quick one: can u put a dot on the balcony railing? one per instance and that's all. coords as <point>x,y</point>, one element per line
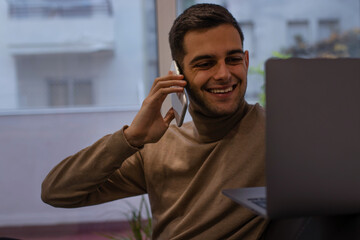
<point>58,8</point>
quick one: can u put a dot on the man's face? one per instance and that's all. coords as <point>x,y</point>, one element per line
<point>215,67</point>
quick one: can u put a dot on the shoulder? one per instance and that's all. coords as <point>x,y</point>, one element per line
<point>254,114</point>
<point>256,110</point>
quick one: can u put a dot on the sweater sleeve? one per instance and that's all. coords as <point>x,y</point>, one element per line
<point>107,170</point>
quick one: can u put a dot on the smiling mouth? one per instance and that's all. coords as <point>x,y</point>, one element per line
<point>222,90</point>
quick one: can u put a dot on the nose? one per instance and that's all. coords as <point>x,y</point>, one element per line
<point>222,72</point>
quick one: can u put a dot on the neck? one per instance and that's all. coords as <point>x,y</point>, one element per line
<point>210,129</point>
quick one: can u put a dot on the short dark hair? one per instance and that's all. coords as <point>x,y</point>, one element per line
<point>196,17</point>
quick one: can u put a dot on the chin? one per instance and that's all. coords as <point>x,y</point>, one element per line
<point>221,112</point>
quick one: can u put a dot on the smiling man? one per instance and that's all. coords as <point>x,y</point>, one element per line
<point>183,170</point>
<point>216,67</point>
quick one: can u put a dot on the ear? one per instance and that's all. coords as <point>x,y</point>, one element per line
<point>246,59</point>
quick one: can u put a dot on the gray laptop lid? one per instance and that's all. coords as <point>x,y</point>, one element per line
<point>313,136</point>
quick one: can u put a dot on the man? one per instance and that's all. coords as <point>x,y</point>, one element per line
<point>183,170</point>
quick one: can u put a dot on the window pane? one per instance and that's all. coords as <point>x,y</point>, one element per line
<point>307,28</point>
<point>82,93</point>
<point>327,28</point>
<point>58,93</point>
<point>298,33</point>
<point>111,43</point>
<point>71,71</point>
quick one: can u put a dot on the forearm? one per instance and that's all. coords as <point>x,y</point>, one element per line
<point>73,181</point>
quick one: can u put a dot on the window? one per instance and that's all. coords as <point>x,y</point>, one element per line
<point>70,92</point>
<point>112,43</point>
<point>71,71</point>
<point>327,28</point>
<point>58,93</point>
<point>309,28</point>
<point>298,33</point>
<point>58,8</point>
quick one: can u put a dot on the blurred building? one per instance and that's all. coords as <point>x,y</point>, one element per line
<point>76,53</point>
<point>277,25</point>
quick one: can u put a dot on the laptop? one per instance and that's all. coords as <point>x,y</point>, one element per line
<point>312,140</point>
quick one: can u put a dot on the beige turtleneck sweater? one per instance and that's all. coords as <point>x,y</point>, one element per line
<point>183,174</point>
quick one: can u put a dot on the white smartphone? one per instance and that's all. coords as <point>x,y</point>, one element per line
<point>179,101</point>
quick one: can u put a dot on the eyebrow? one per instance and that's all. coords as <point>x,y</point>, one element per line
<point>235,52</point>
<point>208,56</point>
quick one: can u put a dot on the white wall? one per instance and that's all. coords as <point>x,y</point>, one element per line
<point>8,93</point>
<point>31,145</point>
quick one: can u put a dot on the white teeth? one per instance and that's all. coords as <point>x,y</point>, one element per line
<point>226,90</point>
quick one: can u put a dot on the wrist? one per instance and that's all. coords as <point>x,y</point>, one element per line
<point>132,139</point>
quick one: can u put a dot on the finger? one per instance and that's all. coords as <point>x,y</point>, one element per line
<point>168,87</point>
<point>165,79</point>
<point>170,115</point>
<point>169,83</point>
<point>156,99</point>
<point>166,84</point>
<point>168,77</point>
<point>162,93</point>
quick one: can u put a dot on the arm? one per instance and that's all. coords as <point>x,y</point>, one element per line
<point>111,168</point>
<point>85,177</point>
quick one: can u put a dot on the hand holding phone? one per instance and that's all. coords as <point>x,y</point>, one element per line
<point>179,101</point>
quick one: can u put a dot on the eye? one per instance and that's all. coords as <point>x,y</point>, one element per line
<point>234,60</point>
<point>204,64</point>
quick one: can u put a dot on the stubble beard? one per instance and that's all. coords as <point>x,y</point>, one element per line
<point>201,105</point>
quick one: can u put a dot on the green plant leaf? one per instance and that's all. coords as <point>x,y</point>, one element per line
<point>281,55</point>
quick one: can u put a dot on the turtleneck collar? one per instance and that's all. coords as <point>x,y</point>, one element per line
<point>211,129</point>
